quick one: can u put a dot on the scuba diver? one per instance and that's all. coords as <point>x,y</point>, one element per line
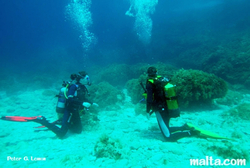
<point>71,100</point>
<point>162,100</point>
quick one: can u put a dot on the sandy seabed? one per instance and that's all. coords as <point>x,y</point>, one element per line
<point>136,139</point>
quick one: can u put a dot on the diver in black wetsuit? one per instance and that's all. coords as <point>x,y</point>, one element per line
<point>76,102</point>
<point>156,102</point>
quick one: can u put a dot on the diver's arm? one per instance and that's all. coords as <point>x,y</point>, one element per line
<point>71,98</point>
<point>149,88</point>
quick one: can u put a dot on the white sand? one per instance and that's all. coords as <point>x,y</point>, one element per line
<point>142,142</point>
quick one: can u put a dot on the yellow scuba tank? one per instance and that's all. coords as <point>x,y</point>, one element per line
<point>171,98</point>
<point>170,95</point>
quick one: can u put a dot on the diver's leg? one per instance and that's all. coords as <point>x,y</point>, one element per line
<point>65,122</point>
<point>60,132</point>
<point>60,118</point>
<point>163,123</point>
<point>178,135</point>
<point>168,132</point>
<point>184,127</point>
<point>75,123</point>
<point>175,129</point>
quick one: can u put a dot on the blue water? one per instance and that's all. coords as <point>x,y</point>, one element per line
<point>47,36</point>
<point>42,42</point>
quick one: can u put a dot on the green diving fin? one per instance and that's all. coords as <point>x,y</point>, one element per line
<point>207,134</point>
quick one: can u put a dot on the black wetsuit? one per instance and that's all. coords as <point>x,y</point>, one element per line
<point>156,102</point>
<point>71,118</point>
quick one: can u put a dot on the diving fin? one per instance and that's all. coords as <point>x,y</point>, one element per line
<point>205,133</point>
<point>18,118</point>
<point>38,119</point>
<point>57,122</point>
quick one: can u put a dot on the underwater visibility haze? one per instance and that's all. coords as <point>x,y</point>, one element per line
<point>203,46</point>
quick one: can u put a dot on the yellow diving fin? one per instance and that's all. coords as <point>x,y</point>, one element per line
<point>207,134</point>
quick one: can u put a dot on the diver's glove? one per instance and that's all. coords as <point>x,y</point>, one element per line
<point>86,104</point>
<point>95,104</point>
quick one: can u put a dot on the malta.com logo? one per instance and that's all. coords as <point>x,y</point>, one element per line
<point>209,161</point>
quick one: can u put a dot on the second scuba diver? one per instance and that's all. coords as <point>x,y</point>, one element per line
<point>69,105</point>
<point>162,100</point>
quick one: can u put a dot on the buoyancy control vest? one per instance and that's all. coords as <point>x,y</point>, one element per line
<point>169,94</point>
<point>62,96</point>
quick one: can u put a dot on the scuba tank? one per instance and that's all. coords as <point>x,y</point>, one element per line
<point>62,97</point>
<point>170,96</point>
<point>171,100</point>
<point>61,101</point>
